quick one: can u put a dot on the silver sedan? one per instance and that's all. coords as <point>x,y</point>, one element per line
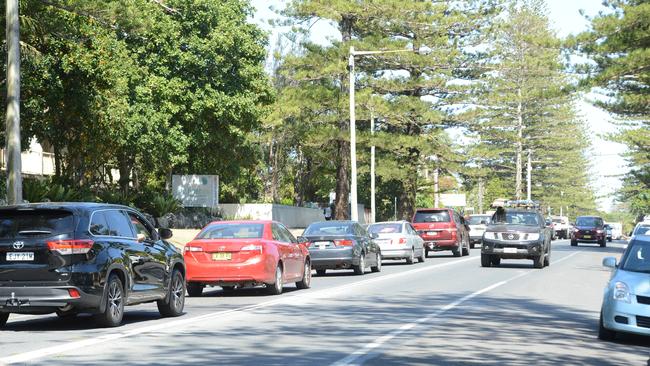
<point>626,302</point>
<point>398,240</point>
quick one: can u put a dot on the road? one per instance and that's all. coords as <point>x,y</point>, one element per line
<point>445,311</point>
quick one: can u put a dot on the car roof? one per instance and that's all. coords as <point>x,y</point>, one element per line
<point>590,216</point>
<point>645,239</point>
<point>77,206</point>
<point>480,215</point>
<point>241,222</point>
<point>389,222</point>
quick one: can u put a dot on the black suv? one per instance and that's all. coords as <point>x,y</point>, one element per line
<point>95,258</point>
<point>516,233</point>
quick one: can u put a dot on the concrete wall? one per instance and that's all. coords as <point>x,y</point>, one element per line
<point>290,216</point>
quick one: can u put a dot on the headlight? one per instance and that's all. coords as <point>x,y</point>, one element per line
<point>599,231</point>
<point>621,292</point>
<point>575,230</point>
<point>532,236</point>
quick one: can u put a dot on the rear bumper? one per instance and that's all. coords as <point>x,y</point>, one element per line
<point>257,270</point>
<point>402,252</point>
<point>44,299</point>
<point>334,258</point>
<point>438,245</point>
<point>476,239</point>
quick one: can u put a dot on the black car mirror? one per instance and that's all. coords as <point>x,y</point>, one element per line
<point>374,235</point>
<point>165,233</point>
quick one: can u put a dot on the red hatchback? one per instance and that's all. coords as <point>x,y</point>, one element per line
<point>235,254</point>
<point>442,229</point>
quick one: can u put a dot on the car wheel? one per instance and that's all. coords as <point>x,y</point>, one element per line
<point>321,272</point>
<point>471,245</point>
<point>228,288</point>
<point>609,240</point>
<point>377,268</point>
<point>411,258</point>
<point>574,243</point>
<point>603,243</point>
<point>3,319</point>
<point>361,268</point>
<point>194,289</point>
<point>113,303</point>
<point>426,252</point>
<point>538,262</point>
<point>422,256</point>
<point>275,288</point>
<point>466,250</point>
<point>547,258</point>
<point>305,282</point>
<point>604,333</point>
<point>173,304</point>
<point>457,252</point>
<point>486,261</point>
<point>495,261</point>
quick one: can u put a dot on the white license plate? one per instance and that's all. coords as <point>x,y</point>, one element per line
<point>20,256</point>
<point>432,233</point>
<point>510,250</point>
<point>321,244</point>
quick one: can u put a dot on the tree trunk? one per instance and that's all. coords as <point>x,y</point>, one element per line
<point>520,146</point>
<point>125,174</point>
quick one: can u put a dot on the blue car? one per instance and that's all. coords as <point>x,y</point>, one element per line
<point>626,302</point>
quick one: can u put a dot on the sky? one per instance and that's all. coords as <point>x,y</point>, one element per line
<point>607,164</point>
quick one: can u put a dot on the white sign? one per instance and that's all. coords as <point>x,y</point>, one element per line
<point>453,200</point>
<point>196,190</point>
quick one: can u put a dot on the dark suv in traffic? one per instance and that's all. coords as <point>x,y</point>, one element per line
<point>71,258</point>
<point>589,229</point>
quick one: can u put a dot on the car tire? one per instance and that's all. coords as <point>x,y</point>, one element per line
<point>604,333</point>
<point>228,288</point>
<point>194,289</point>
<point>321,272</point>
<point>471,245</point>
<point>172,305</point>
<point>305,282</point>
<point>538,262</point>
<point>574,243</point>
<point>547,258</point>
<point>411,258</point>
<point>609,240</point>
<point>361,268</point>
<point>495,261</point>
<point>422,257</point>
<point>426,252</point>
<point>377,268</point>
<point>486,261</point>
<point>457,252</point>
<point>3,319</point>
<point>276,287</point>
<point>113,303</point>
<point>603,243</point>
<point>465,250</point>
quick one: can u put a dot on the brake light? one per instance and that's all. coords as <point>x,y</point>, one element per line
<point>252,248</point>
<point>69,247</point>
<point>344,243</point>
<point>74,293</point>
<point>399,241</point>
<point>190,248</point>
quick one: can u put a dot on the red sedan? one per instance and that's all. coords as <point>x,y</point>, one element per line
<point>235,254</point>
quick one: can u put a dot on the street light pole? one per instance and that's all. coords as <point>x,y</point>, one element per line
<point>528,175</point>
<point>14,168</point>
<point>354,214</point>
<point>372,170</point>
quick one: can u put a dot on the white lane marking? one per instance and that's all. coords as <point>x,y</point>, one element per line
<point>351,360</point>
<point>177,324</point>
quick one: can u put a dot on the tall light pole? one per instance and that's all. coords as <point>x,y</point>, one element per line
<point>354,212</point>
<point>14,168</point>
<point>529,172</point>
<point>372,170</point>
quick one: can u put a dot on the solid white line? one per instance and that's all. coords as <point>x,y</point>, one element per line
<point>358,355</point>
<point>177,324</point>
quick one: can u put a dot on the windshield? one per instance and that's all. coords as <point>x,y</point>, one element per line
<point>517,218</point>
<point>642,230</point>
<point>637,258</point>
<point>431,216</point>
<point>328,228</point>
<point>232,231</point>
<point>385,228</point>
<point>589,221</point>
<point>476,220</point>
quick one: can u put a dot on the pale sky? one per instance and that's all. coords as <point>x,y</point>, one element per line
<point>607,165</point>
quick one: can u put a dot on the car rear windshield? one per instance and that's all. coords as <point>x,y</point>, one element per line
<point>589,221</point>
<point>29,223</point>
<point>637,258</point>
<point>432,216</point>
<point>642,230</point>
<point>385,228</point>
<point>232,231</point>
<point>476,220</point>
<point>517,218</point>
<point>328,228</point>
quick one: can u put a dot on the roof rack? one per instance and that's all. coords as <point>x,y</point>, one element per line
<point>529,204</point>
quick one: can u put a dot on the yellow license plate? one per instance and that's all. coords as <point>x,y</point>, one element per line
<point>221,256</point>
<point>587,236</point>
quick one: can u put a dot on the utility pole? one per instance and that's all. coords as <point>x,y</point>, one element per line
<point>436,186</point>
<point>372,169</point>
<point>480,195</point>
<point>562,202</point>
<point>528,175</point>
<point>14,166</point>
<point>354,213</point>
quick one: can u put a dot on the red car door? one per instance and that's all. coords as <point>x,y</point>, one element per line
<point>284,251</point>
<point>298,256</point>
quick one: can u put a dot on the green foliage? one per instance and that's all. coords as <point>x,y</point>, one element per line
<point>161,205</point>
<point>45,190</point>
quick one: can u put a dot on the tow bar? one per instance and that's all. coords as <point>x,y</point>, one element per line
<point>14,302</point>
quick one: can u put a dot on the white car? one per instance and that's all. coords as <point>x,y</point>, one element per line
<point>477,225</point>
<point>642,228</point>
<point>398,240</point>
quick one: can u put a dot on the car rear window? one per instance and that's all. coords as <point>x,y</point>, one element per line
<point>232,231</point>
<point>328,228</point>
<point>476,220</point>
<point>385,228</point>
<point>589,221</point>
<point>432,216</point>
<point>27,223</point>
<point>642,230</point>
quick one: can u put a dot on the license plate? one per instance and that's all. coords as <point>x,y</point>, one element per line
<point>432,233</point>
<point>510,250</point>
<point>20,256</point>
<point>587,236</point>
<point>321,244</point>
<point>221,256</point>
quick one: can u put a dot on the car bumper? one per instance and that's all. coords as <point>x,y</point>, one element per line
<point>334,258</point>
<point>44,299</point>
<point>393,251</point>
<point>438,245</point>
<point>616,313</point>
<point>256,270</point>
<point>512,250</point>
<point>476,239</point>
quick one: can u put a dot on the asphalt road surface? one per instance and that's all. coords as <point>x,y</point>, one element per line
<point>446,311</point>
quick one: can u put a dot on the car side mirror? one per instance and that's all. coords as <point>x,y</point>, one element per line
<point>609,262</point>
<point>165,233</point>
<point>374,235</point>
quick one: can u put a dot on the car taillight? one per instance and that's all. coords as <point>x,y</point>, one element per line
<point>69,247</point>
<point>74,293</point>
<point>252,248</point>
<point>190,248</point>
<point>399,241</point>
<point>344,243</point>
